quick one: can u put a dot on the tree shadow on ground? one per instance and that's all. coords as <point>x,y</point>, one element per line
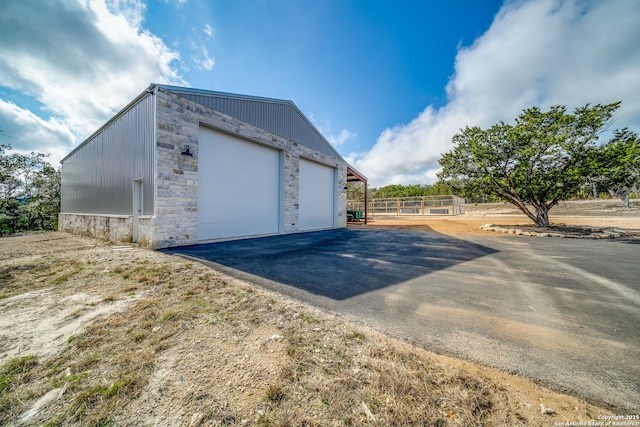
<point>339,263</point>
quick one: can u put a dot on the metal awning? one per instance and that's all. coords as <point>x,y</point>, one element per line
<point>352,176</point>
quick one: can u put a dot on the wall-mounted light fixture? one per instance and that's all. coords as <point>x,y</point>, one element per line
<point>186,151</point>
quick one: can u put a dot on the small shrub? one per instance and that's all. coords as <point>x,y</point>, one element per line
<point>275,394</point>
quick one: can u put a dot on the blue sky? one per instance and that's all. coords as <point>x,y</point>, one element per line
<point>388,83</point>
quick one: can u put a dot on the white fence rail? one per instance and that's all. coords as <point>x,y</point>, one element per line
<point>427,205</point>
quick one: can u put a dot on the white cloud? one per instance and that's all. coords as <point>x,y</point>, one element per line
<point>341,138</point>
<point>178,3</point>
<point>204,61</point>
<point>33,133</point>
<point>540,52</point>
<point>334,139</point>
<point>200,56</point>
<point>83,61</point>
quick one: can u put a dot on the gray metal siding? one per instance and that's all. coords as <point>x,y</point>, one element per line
<point>97,178</point>
<point>279,117</point>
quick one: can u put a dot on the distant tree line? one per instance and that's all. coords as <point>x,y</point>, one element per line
<point>29,192</point>
<point>615,166</point>
<point>356,192</point>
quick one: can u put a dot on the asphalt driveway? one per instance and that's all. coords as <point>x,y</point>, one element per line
<point>563,312</point>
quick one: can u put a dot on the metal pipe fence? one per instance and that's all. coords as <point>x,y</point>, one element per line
<point>426,205</point>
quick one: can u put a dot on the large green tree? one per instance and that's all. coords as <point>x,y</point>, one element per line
<point>616,165</point>
<point>541,159</point>
<point>29,192</point>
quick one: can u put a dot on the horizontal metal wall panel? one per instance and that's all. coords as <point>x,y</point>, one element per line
<point>97,178</point>
<point>280,117</point>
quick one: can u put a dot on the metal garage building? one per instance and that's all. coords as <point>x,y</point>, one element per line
<point>180,166</point>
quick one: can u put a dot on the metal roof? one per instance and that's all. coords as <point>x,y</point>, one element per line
<point>354,175</point>
<point>279,116</point>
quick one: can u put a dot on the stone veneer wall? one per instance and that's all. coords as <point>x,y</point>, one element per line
<point>113,228</point>
<point>176,201</point>
<point>117,228</point>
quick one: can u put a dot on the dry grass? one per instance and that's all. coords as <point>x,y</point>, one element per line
<point>331,377</point>
<point>195,347</point>
<point>13,373</point>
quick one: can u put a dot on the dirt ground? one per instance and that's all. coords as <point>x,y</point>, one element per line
<point>126,336</point>
<point>605,213</point>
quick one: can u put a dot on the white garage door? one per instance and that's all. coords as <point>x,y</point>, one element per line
<point>238,187</point>
<point>317,185</point>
